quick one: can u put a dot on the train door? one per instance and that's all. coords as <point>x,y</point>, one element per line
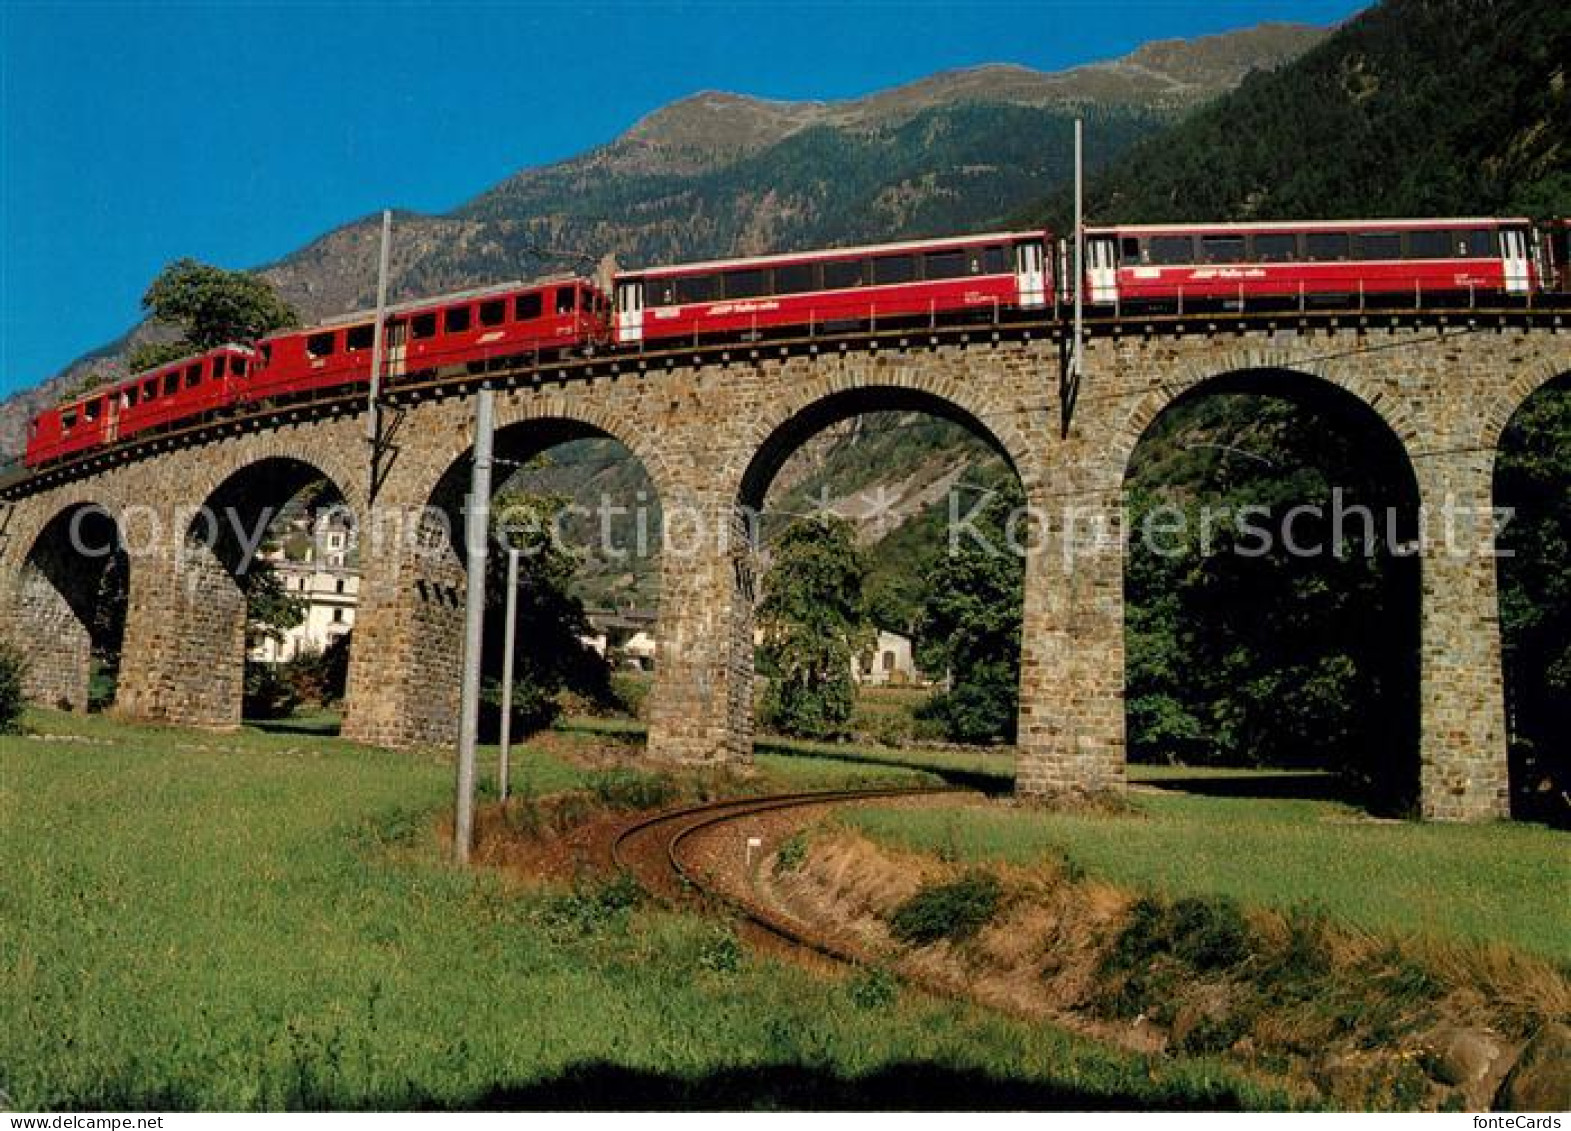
<point>1101,270</point>
<point>630,310</point>
<point>395,348</point>
<point>1031,273</point>
<point>1514,252</point>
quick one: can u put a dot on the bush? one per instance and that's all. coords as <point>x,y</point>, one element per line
<point>535,709</point>
<point>954,911</point>
<point>320,675</point>
<point>1205,933</point>
<point>12,702</point>
<point>874,988</point>
<point>792,854</point>
<point>721,952</point>
<point>630,789</point>
<point>269,693</point>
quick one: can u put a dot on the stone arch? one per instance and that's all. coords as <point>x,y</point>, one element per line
<point>804,410</point>
<point>190,621</point>
<point>1536,711</point>
<point>68,607</point>
<point>1501,409</point>
<point>1270,371</point>
<point>411,698</point>
<point>1351,405</point>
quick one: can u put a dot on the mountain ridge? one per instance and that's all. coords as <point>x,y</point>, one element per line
<point>956,149</point>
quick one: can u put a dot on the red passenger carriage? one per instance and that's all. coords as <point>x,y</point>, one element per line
<point>880,284</point>
<point>1418,262</point>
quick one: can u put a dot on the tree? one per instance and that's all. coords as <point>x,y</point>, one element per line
<point>150,355</point>
<point>970,625</point>
<point>12,701</point>
<point>271,610</point>
<point>212,306</point>
<point>813,620</point>
<point>549,654</point>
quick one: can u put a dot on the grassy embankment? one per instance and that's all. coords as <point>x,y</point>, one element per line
<point>267,921</point>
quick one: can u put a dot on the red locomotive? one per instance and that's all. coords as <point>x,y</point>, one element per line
<point>994,276</point>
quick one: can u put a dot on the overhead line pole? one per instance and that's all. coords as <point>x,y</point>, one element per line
<point>477,533</point>
<point>373,422</point>
<point>1077,360</point>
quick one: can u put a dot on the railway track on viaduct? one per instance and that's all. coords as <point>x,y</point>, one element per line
<point>657,853</point>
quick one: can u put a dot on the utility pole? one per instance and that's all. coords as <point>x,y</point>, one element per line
<point>510,632</point>
<point>1077,359</point>
<point>477,535</point>
<point>373,422</point>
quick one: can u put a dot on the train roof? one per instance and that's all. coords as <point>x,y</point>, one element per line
<point>1316,225</point>
<point>826,253</point>
<point>368,314</point>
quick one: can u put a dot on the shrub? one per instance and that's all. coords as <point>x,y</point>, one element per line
<point>721,952</point>
<point>269,693</point>
<point>1205,933</point>
<point>874,988</point>
<point>792,854</point>
<point>630,789</point>
<point>11,700</point>
<point>954,911</point>
<point>592,910</point>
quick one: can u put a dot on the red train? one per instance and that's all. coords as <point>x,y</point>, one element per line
<point>993,276</point>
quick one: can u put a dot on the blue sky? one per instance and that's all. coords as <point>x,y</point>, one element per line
<point>134,133</point>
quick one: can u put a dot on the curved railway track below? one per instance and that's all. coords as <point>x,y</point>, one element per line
<point>659,854</point>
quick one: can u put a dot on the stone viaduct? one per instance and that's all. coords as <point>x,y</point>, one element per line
<point>712,426</point>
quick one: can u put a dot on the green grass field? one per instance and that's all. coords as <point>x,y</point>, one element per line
<point>1505,882</point>
<point>265,920</point>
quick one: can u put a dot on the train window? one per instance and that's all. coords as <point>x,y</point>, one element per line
<point>1429,245</point>
<point>894,269</point>
<point>1129,249</point>
<point>1170,249</point>
<point>565,300</point>
<point>129,396</point>
<point>68,420</point>
<point>526,308</point>
<point>796,278</point>
<point>237,366</point>
<point>171,382</point>
<point>423,325</point>
<point>1379,245</point>
<point>91,410</point>
<point>842,274</point>
<point>493,313</point>
<point>1277,247</point>
<point>1324,247</point>
<point>1478,243</point>
<point>218,367</point>
<point>359,337</point>
<point>320,345</point>
<point>995,261</point>
<point>745,284</point>
<point>697,288</point>
<point>1222,249</point>
<point>193,376</point>
<point>267,354</point>
<point>944,265</point>
<point>149,389</point>
<point>456,319</point>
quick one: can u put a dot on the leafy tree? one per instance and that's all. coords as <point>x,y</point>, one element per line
<point>150,355</point>
<point>271,610</point>
<point>970,626</point>
<point>549,653</point>
<point>1532,471</point>
<point>814,624</point>
<point>212,306</point>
